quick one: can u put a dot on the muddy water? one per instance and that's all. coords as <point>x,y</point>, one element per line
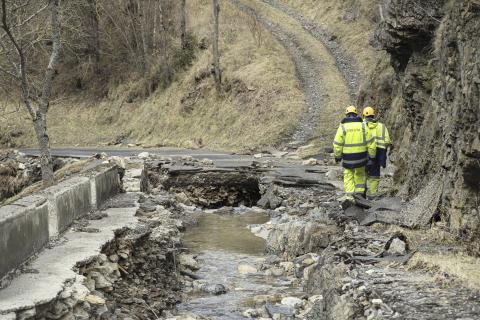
<point>226,232</point>
<point>222,243</point>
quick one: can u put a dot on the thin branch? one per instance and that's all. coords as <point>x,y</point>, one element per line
<point>23,5</point>
<point>23,74</point>
<point>9,73</point>
<point>6,113</point>
<point>6,52</point>
<point>32,16</point>
<point>21,24</point>
<point>426,12</point>
<point>120,29</point>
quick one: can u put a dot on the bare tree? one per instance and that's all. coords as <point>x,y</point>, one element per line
<point>14,51</point>
<point>94,34</point>
<point>163,28</point>
<point>142,11</point>
<point>216,54</point>
<point>183,23</point>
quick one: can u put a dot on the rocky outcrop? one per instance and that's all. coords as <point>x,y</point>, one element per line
<point>432,105</point>
<point>408,28</point>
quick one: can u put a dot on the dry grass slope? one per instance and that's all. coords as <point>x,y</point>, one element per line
<point>333,89</point>
<point>260,103</point>
<point>261,99</point>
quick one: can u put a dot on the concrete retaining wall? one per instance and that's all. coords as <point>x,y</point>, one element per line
<point>107,184</point>
<point>27,224</point>
<point>23,231</point>
<point>68,200</point>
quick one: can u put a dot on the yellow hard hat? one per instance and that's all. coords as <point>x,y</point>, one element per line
<point>351,109</point>
<point>368,111</point>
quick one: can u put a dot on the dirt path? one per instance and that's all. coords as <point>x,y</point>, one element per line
<point>326,91</point>
<point>343,61</point>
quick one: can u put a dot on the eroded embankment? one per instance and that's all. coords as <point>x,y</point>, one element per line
<point>232,274</point>
<point>349,269</point>
<point>136,273</point>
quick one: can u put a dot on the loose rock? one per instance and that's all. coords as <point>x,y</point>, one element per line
<point>188,261</point>
<point>206,162</point>
<point>216,289</point>
<point>95,300</point>
<point>246,269</point>
<point>397,248</point>
<point>293,302</point>
<point>251,313</point>
<point>310,162</point>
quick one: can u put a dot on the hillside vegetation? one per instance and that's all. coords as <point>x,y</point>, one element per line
<point>260,102</point>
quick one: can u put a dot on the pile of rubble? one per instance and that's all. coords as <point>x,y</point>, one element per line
<point>349,262</point>
<point>18,172</point>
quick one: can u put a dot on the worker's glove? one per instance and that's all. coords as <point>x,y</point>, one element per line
<point>338,160</point>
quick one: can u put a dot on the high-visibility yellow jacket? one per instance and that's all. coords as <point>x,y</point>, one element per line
<point>354,143</point>
<point>382,137</point>
<point>380,133</point>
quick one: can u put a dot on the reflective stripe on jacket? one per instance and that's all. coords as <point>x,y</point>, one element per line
<point>380,133</point>
<point>354,143</point>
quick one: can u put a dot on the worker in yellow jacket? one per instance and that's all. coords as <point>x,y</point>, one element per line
<point>355,146</point>
<point>382,137</point>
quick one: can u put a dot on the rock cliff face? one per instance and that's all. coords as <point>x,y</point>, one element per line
<point>431,101</point>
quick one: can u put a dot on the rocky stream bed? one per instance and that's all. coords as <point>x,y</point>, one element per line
<point>320,259</point>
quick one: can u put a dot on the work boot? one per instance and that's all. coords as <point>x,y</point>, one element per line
<point>362,202</point>
<point>374,197</point>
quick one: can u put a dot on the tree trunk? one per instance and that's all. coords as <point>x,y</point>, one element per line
<point>136,33</point>
<point>40,116</point>
<point>164,35</point>
<point>216,54</point>
<point>154,31</point>
<point>38,106</point>
<point>183,24</point>
<point>95,38</point>
<point>46,162</point>
<point>143,32</point>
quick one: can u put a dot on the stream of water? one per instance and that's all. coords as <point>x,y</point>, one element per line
<point>222,243</point>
